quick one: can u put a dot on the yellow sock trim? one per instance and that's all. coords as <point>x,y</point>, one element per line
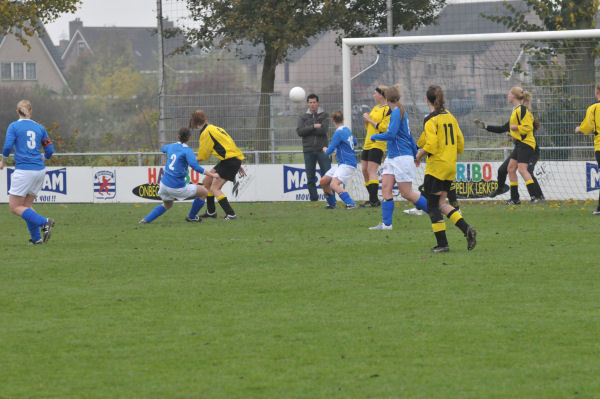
<point>440,226</point>
<point>210,194</point>
<point>220,197</point>
<point>514,183</point>
<point>528,182</point>
<point>374,182</point>
<point>455,217</point>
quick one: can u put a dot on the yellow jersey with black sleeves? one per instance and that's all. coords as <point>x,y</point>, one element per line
<point>524,120</point>
<point>380,114</point>
<point>443,140</point>
<point>215,140</point>
<point>591,124</point>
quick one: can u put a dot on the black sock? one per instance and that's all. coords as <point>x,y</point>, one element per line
<point>225,205</point>
<point>514,192</point>
<point>210,203</point>
<point>440,236</point>
<point>373,191</point>
<point>531,189</point>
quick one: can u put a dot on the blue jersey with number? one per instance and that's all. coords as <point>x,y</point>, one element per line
<point>343,143</point>
<point>179,157</point>
<point>400,140</point>
<point>28,138</point>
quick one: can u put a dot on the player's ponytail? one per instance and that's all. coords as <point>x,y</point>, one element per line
<point>184,135</point>
<point>393,95</point>
<point>527,99</point>
<point>435,95</point>
<point>24,108</point>
<point>197,119</point>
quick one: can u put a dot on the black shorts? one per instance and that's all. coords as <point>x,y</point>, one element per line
<point>372,155</point>
<point>434,185</point>
<point>522,152</point>
<point>228,168</point>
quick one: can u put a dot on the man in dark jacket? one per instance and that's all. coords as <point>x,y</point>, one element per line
<point>313,127</point>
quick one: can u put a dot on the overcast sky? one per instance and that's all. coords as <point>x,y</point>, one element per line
<point>123,13</point>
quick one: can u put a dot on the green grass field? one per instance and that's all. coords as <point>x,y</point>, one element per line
<point>293,301</point>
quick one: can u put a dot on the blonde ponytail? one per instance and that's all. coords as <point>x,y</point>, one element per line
<point>24,108</point>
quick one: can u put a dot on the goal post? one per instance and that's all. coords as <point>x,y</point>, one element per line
<point>476,72</point>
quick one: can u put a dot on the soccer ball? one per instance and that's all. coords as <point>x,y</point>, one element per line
<point>297,94</point>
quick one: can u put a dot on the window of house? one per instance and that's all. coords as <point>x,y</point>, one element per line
<point>337,69</point>
<point>18,71</point>
<point>30,71</point>
<point>80,47</point>
<point>6,71</point>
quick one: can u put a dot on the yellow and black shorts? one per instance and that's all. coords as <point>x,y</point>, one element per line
<point>372,155</point>
<point>228,168</point>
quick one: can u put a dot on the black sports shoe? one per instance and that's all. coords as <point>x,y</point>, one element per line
<point>195,219</point>
<point>365,204</point>
<point>209,215</point>
<point>500,190</point>
<point>376,204</point>
<point>47,229</point>
<point>229,217</point>
<point>511,202</point>
<point>438,249</point>
<point>471,237</point>
<point>537,200</point>
<point>38,242</point>
<point>330,207</point>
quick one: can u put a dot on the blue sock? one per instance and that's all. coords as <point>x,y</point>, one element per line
<point>34,231</point>
<point>422,204</point>
<point>330,199</point>
<point>346,198</point>
<point>30,216</point>
<point>156,212</point>
<point>196,206</point>
<point>387,211</point>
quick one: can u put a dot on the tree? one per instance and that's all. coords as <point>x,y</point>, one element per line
<point>562,66</point>
<point>277,27</point>
<point>26,18</point>
<point>556,15</point>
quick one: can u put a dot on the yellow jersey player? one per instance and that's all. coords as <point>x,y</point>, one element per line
<point>443,141</point>
<point>591,124</point>
<point>215,140</point>
<point>522,124</point>
<point>376,121</point>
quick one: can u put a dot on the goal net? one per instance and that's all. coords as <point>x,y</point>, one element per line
<point>476,73</point>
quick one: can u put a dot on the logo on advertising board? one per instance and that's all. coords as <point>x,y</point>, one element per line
<point>592,176</point>
<point>474,180</point>
<point>242,183</point>
<point>295,178</point>
<point>149,190</point>
<point>55,182</point>
<point>105,185</point>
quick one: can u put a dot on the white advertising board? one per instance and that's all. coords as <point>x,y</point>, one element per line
<point>559,180</point>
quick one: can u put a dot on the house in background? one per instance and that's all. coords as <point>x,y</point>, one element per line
<point>84,39</point>
<point>39,66</point>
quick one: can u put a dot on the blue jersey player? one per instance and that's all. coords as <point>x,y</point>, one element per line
<point>28,138</point>
<point>342,143</point>
<point>173,185</point>
<point>399,166</point>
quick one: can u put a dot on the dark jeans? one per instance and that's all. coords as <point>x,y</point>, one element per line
<point>310,163</point>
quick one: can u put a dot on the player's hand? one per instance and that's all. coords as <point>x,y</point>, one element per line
<point>514,127</point>
<point>241,172</point>
<point>577,130</point>
<point>366,117</point>
<point>325,150</point>
<point>417,162</point>
<point>210,174</point>
<point>480,124</point>
<point>317,125</point>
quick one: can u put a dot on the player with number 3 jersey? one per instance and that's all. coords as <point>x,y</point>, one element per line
<point>28,138</point>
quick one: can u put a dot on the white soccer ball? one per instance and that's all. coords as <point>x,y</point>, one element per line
<point>297,94</point>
